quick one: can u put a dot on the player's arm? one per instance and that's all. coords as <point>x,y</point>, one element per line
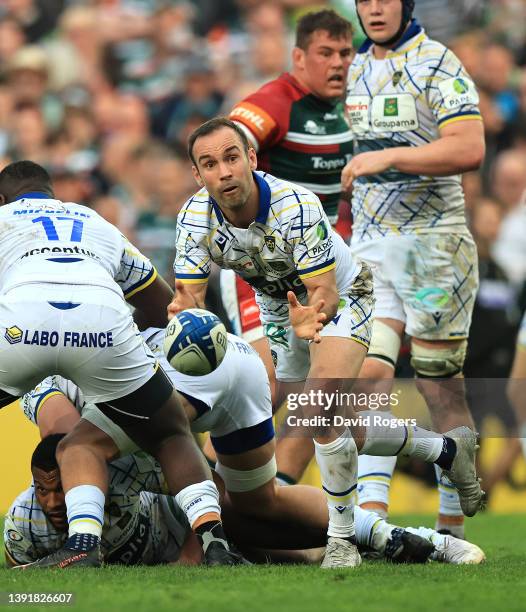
<point>192,262</point>
<point>18,549</point>
<point>187,295</point>
<point>49,407</point>
<point>459,149</point>
<point>150,304</point>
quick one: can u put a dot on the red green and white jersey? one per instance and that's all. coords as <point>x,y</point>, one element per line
<point>290,240</point>
<point>299,137</point>
<point>403,101</point>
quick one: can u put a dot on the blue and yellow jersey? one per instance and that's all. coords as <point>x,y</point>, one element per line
<point>405,100</point>
<point>290,240</point>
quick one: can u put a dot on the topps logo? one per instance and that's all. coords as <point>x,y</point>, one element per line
<point>249,115</point>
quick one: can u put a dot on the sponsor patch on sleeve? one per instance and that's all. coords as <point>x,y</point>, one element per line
<point>258,121</point>
<point>457,92</point>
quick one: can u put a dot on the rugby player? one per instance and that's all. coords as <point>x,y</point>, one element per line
<point>276,235</point>
<point>297,126</point>
<point>65,274</point>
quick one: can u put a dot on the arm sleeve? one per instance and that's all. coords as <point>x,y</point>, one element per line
<point>263,116</point>
<point>17,546</point>
<point>310,234</point>
<point>451,93</point>
<point>135,272</point>
<point>32,402</point>
<point>192,256</point>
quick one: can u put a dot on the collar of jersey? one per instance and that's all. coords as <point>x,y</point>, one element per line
<point>34,195</point>
<point>264,201</point>
<point>413,30</point>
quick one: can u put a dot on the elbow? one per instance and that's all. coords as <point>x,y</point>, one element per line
<point>474,157</point>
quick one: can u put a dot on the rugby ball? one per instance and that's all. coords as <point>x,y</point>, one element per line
<point>195,342</point>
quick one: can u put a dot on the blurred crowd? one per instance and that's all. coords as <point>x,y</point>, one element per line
<point>105,92</point>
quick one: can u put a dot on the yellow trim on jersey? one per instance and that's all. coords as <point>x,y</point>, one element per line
<point>191,281</point>
<point>44,400</point>
<point>405,49</point>
<point>22,519</point>
<point>360,342</point>
<point>461,118</point>
<point>143,286</point>
<point>317,272</point>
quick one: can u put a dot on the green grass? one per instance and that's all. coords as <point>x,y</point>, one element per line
<point>499,584</point>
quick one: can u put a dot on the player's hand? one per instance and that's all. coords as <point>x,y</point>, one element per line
<point>365,164</point>
<point>182,300</point>
<point>307,321</point>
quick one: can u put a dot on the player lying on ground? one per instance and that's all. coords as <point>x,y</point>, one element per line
<point>144,526</point>
<point>65,273</point>
<point>315,297</point>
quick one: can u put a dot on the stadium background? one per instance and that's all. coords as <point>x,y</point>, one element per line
<point>104,94</point>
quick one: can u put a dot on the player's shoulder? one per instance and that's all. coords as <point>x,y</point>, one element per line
<point>276,93</point>
<point>430,53</point>
<point>25,514</point>
<point>197,211</point>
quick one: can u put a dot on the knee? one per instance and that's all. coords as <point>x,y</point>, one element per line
<point>438,362</point>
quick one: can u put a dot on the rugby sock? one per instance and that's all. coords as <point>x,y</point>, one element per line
<point>523,438</point>
<point>374,480</point>
<point>384,437</point>
<point>200,503</point>
<point>85,508</point>
<point>337,462</point>
<point>82,542</point>
<point>371,529</point>
<point>450,517</point>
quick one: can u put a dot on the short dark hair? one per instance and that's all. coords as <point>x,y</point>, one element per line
<point>23,176</point>
<point>44,455</point>
<point>212,126</point>
<point>327,20</point>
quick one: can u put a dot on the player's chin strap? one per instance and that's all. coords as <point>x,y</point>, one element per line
<point>438,362</point>
<point>408,7</point>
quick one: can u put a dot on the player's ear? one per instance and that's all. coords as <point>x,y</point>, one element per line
<point>252,158</point>
<point>298,58</point>
<point>2,199</point>
<point>197,176</point>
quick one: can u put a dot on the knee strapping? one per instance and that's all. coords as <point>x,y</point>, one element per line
<point>385,344</point>
<point>438,362</point>
<point>241,481</point>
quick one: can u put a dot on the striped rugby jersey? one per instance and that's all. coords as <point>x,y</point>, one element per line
<point>299,137</point>
<point>290,240</point>
<point>404,100</point>
<point>139,526</point>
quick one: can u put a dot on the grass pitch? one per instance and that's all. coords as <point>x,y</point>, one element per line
<point>499,584</point>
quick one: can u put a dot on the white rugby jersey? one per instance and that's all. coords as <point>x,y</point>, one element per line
<point>43,240</point>
<point>215,396</point>
<point>291,239</point>
<point>139,526</point>
<point>403,101</point>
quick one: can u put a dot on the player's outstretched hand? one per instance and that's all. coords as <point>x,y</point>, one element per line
<point>365,164</point>
<point>182,300</point>
<point>307,321</point>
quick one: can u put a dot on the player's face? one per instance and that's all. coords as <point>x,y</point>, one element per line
<point>323,66</point>
<point>50,496</point>
<point>381,19</point>
<point>225,168</point>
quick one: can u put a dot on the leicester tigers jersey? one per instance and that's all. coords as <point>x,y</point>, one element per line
<point>47,241</point>
<point>290,240</point>
<point>403,101</point>
<point>139,526</point>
